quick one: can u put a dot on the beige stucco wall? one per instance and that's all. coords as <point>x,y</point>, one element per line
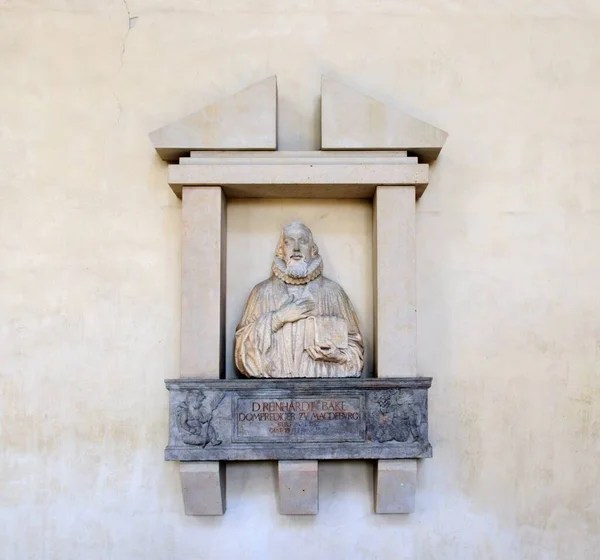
<point>508,272</point>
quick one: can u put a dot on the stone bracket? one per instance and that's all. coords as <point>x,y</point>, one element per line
<point>395,486</point>
<point>298,487</point>
<point>203,488</point>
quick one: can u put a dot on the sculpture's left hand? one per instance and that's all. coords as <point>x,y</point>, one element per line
<point>329,353</point>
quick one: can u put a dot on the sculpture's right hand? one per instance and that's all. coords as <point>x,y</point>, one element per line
<point>293,310</point>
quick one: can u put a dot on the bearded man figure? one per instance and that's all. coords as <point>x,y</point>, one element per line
<point>298,323</point>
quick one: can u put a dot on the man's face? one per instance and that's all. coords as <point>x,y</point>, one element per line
<point>297,246</point>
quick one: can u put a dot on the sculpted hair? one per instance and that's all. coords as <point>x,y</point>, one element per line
<point>279,250</point>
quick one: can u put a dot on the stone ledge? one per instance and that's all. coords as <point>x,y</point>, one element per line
<point>302,385</point>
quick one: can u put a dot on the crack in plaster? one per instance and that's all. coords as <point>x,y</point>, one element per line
<point>131,21</point>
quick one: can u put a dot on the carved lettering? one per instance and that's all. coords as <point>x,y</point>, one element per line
<point>301,419</point>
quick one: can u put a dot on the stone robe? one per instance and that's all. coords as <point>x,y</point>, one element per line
<point>260,352</point>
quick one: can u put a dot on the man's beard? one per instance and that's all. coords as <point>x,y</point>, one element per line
<point>297,269</point>
<point>294,272</point>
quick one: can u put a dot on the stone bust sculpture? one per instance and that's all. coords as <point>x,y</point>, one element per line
<point>298,323</point>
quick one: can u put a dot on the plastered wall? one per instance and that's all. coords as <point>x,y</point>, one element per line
<point>508,272</point>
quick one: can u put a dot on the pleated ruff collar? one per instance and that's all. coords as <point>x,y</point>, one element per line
<point>314,271</point>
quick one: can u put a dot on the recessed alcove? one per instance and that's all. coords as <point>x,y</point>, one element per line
<point>343,230</point>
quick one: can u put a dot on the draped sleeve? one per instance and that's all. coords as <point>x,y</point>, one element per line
<point>253,336</point>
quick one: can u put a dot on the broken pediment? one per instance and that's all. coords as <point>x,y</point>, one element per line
<point>353,121</point>
<point>246,120</point>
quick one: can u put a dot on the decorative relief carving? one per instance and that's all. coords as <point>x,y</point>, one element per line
<point>194,418</point>
<point>400,417</point>
<point>298,323</point>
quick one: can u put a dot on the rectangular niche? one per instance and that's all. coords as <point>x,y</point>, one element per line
<point>343,230</point>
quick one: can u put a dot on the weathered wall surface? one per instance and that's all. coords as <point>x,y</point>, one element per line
<point>508,272</point>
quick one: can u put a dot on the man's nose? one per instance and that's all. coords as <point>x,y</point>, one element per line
<point>296,247</point>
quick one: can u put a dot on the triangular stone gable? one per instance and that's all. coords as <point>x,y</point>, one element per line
<point>353,121</point>
<point>246,120</point>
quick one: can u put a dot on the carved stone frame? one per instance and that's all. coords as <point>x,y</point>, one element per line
<point>374,160</point>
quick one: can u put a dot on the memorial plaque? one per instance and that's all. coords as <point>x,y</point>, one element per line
<point>298,419</point>
<point>305,419</point>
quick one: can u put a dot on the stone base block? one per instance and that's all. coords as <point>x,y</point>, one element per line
<point>298,487</point>
<point>203,486</point>
<point>395,486</point>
